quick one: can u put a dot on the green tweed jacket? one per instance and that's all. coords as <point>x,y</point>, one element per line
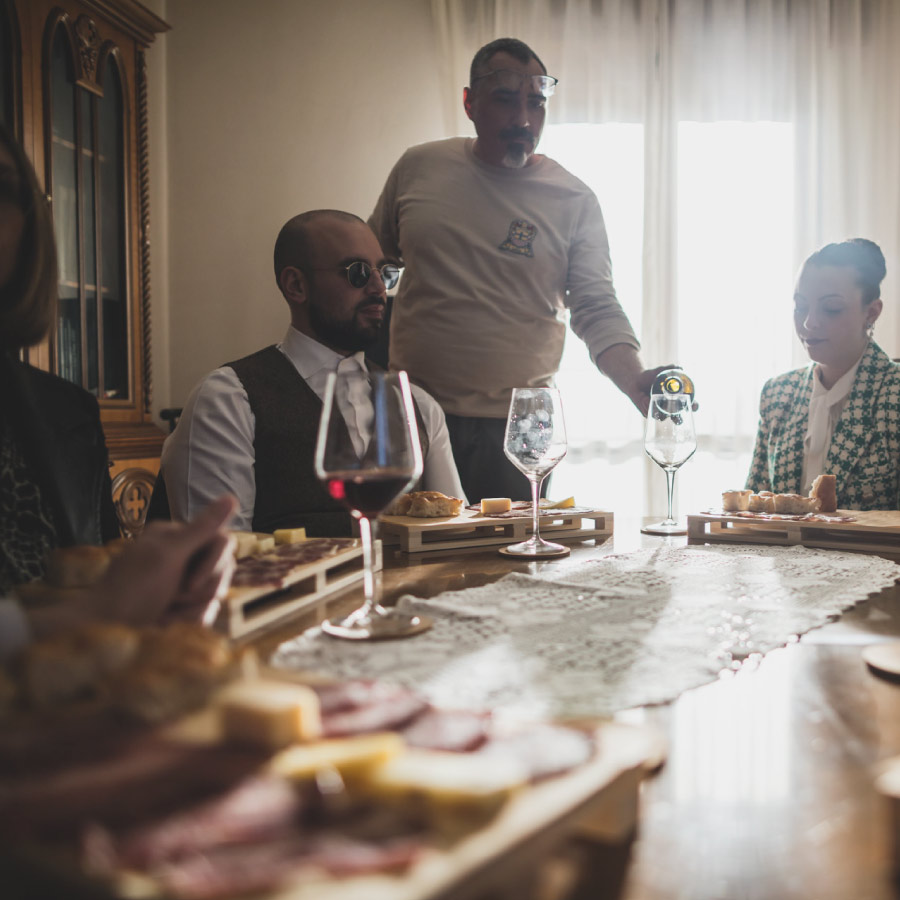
<point>865,449</point>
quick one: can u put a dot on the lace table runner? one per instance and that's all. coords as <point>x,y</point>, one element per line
<point>619,631</point>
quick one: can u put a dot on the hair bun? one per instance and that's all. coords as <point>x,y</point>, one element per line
<point>877,266</point>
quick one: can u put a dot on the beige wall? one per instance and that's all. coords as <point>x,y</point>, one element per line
<point>260,110</point>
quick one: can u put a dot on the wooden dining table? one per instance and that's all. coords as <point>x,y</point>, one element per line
<point>768,785</point>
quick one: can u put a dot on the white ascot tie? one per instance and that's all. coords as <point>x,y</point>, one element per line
<point>354,400</point>
<point>825,408</point>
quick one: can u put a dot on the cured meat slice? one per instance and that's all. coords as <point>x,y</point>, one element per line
<point>361,707</point>
<point>456,731</point>
<point>257,809</point>
<point>263,867</point>
<point>544,750</point>
<point>148,778</point>
<point>271,569</point>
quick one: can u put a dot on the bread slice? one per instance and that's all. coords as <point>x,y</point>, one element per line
<point>426,505</point>
<point>736,501</point>
<point>79,566</point>
<point>795,505</point>
<point>824,489</point>
<point>763,502</point>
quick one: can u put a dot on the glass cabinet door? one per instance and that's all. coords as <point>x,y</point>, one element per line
<point>88,177</point>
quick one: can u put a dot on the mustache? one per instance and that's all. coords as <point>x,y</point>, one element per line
<point>371,301</point>
<point>517,134</point>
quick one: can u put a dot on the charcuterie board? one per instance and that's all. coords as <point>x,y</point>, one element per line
<point>472,529</point>
<point>177,834</point>
<point>289,579</point>
<point>873,531</point>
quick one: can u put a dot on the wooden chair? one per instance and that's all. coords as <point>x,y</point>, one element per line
<point>132,489</point>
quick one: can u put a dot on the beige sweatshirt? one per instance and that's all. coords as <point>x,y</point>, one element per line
<point>493,257</point>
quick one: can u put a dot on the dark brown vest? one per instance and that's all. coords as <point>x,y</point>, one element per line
<point>287,412</point>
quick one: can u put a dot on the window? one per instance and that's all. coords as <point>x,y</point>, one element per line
<point>734,238</point>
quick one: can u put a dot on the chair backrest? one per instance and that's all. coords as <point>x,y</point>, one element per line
<point>132,489</point>
<point>171,415</point>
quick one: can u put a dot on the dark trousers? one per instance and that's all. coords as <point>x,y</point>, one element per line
<point>483,467</point>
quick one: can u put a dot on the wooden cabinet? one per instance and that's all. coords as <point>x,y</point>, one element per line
<point>73,89</point>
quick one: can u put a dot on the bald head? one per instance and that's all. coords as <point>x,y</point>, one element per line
<point>295,244</point>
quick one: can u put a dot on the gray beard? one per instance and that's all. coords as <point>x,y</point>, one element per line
<point>516,157</point>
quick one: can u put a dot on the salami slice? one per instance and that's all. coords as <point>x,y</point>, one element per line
<point>271,569</point>
<point>361,707</point>
<point>544,750</point>
<point>456,731</point>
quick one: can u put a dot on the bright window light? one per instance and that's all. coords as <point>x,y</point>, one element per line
<point>735,287</point>
<point>735,232</point>
<point>601,422</point>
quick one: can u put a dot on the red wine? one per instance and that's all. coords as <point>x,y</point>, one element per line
<point>366,493</point>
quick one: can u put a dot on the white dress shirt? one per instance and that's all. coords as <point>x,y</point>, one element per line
<point>211,451</point>
<point>825,408</point>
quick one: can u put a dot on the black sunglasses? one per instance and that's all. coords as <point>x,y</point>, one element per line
<point>358,273</point>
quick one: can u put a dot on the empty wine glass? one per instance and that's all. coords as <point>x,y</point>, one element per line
<point>366,484</point>
<point>669,439</point>
<point>535,442</point>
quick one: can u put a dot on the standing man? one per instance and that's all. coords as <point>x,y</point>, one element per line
<point>498,242</point>
<point>249,428</point>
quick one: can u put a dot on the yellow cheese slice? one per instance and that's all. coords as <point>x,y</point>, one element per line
<point>289,535</point>
<point>265,543</point>
<point>450,788</point>
<point>353,757</point>
<point>270,714</point>
<point>568,503</point>
<point>495,505</point>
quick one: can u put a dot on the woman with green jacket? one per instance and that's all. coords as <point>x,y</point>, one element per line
<point>840,414</point>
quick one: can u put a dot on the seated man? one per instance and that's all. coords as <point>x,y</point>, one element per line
<point>249,428</point>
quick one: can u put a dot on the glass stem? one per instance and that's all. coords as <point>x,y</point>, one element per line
<point>367,537</point>
<point>535,501</point>
<point>670,489</point>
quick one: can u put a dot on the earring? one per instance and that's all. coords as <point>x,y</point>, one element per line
<point>870,330</point>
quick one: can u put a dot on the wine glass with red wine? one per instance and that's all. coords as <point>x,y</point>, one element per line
<point>366,480</point>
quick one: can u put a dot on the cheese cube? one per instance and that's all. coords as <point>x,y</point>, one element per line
<point>353,757</point>
<point>270,714</point>
<point>244,543</point>
<point>289,535</point>
<point>495,505</point>
<point>451,788</point>
<point>265,543</point>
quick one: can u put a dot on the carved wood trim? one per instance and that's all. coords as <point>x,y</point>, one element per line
<point>130,17</point>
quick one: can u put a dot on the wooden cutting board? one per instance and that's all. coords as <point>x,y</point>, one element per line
<point>872,531</point>
<point>248,609</point>
<point>471,529</point>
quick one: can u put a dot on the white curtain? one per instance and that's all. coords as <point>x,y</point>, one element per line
<point>830,68</point>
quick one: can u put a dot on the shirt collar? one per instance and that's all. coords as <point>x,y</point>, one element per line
<point>839,389</point>
<point>309,356</point>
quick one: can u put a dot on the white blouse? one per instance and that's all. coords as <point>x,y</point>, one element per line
<point>825,408</point>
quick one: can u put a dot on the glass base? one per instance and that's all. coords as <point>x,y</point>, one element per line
<point>665,527</point>
<point>379,625</point>
<point>535,549</point>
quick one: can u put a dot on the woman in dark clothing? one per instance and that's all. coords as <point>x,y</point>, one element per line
<point>54,478</point>
<point>54,471</point>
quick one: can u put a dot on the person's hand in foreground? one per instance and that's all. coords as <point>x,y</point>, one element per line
<point>173,570</point>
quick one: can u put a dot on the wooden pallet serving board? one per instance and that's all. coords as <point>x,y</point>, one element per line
<point>471,529</point>
<point>873,531</point>
<point>250,608</point>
